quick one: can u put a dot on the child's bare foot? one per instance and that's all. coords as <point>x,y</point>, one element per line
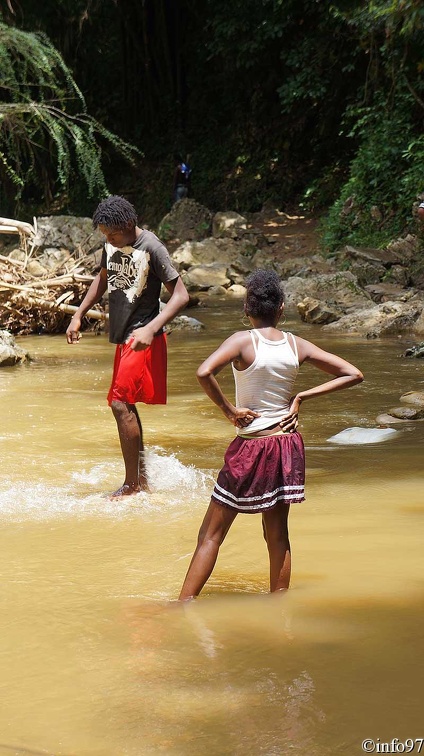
<point>125,490</point>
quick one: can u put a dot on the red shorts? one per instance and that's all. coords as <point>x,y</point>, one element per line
<point>139,376</point>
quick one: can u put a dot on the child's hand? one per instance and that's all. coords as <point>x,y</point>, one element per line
<point>289,423</point>
<point>241,417</point>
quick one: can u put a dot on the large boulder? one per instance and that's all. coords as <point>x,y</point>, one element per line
<point>67,232</point>
<point>413,397</point>
<point>202,277</point>
<point>382,319</point>
<point>389,292</point>
<point>313,311</point>
<point>339,290</point>
<point>228,224</point>
<point>10,353</point>
<point>212,251</point>
<point>187,220</point>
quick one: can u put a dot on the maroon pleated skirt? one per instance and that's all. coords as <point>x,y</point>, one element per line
<point>260,472</point>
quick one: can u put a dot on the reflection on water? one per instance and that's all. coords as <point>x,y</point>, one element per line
<point>95,660</point>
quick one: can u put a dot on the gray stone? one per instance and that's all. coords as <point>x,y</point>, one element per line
<point>228,224</point>
<point>203,276</point>
<point>184,323</point>
<point>217,291</point>
<point>34,268</point>
<point>187,220</point>
<point>386,419</point>
<point>387,318</point>
<point>67,232</point>
<point>418,326</point>
<point>236,291</point>
<point>313,311</point>
<point>413,397</point>
<point>363,436</point>
<point>339,289</point>
<point>10,353</point>
<point>407,413</point>
<point>389,292</point>
<point>415,351</point>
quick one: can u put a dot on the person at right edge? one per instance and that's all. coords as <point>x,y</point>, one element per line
<point>264,466</point>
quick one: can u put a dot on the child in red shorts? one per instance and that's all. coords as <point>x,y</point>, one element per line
<point>134,265</point>
<point>264,465</point>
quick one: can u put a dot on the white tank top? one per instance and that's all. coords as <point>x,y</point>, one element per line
<point>267,384</point>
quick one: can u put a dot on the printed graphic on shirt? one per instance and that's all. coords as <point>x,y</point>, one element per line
<point>128,272</point>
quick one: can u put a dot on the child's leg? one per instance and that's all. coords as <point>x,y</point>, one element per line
<point>275,525</point>
<point>131,439</point>
<point>214,528</point>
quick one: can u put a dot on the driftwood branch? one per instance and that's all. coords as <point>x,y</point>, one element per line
<point>28,298</point>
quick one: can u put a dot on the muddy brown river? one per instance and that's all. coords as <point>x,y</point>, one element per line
<point>96,661</point>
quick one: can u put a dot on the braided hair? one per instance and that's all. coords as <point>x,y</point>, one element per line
<point>115,212</point>
<point>264,295</point>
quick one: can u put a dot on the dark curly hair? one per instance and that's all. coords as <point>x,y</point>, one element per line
<point>114,212</point>
<point>264,295</point>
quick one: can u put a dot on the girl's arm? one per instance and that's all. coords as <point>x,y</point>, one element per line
<point>345,375</point>
<point>229,351</point>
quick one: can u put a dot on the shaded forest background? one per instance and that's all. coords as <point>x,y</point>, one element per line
<point>294,102</point>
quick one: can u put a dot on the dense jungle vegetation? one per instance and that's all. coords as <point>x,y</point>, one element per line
<point>306,102</point>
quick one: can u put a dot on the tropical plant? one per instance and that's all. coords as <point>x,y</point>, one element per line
<point>48,140</point>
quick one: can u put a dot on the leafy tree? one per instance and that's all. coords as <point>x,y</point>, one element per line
<point>47,138</point>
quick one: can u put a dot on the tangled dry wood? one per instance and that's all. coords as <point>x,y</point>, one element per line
<point>40,304</point>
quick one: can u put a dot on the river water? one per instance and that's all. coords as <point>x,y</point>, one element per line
<point>96,661</point>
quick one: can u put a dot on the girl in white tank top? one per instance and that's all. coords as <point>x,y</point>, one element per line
<point>266,386</point>
<point>264,465</point>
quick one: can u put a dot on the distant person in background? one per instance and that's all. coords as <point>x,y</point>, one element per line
<point>182,176</point>
<point>420,211</point>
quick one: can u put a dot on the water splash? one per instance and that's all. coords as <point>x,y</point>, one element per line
<point>173,484</point>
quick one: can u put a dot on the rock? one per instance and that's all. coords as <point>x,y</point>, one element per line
<point>313,311</point>
<point>398,274</point>
<point>363,435</point>
<point>17,254</point>
<point>10,353</point>
<point>376,214</point>
<point>407,413</point>
<point>217,291</point>
<point>405,249</point>
<point>236,290</point>
<point>339,289</point>
<point>184,323</point>
<point>418,326</point>
<point>367,272</point>
<point>67,232</point>
<point>413,397</point>
<point>415,351</point>
<point>303,266</point>
<point>186,221</point>
<point>213,250</point>
<point>386,419</point>
<point>228,224</point>
<point>396,253</point>
<point>387,318</point>
<point>389,292</point>
<point>34,268</point>
<point>203,276</point>
<point>53,258</point>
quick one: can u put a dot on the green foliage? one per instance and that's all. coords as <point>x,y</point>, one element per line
<point>47,138</point>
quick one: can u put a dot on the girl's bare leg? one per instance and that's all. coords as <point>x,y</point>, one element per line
<point>214,528</point>
<point>275,525</point>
